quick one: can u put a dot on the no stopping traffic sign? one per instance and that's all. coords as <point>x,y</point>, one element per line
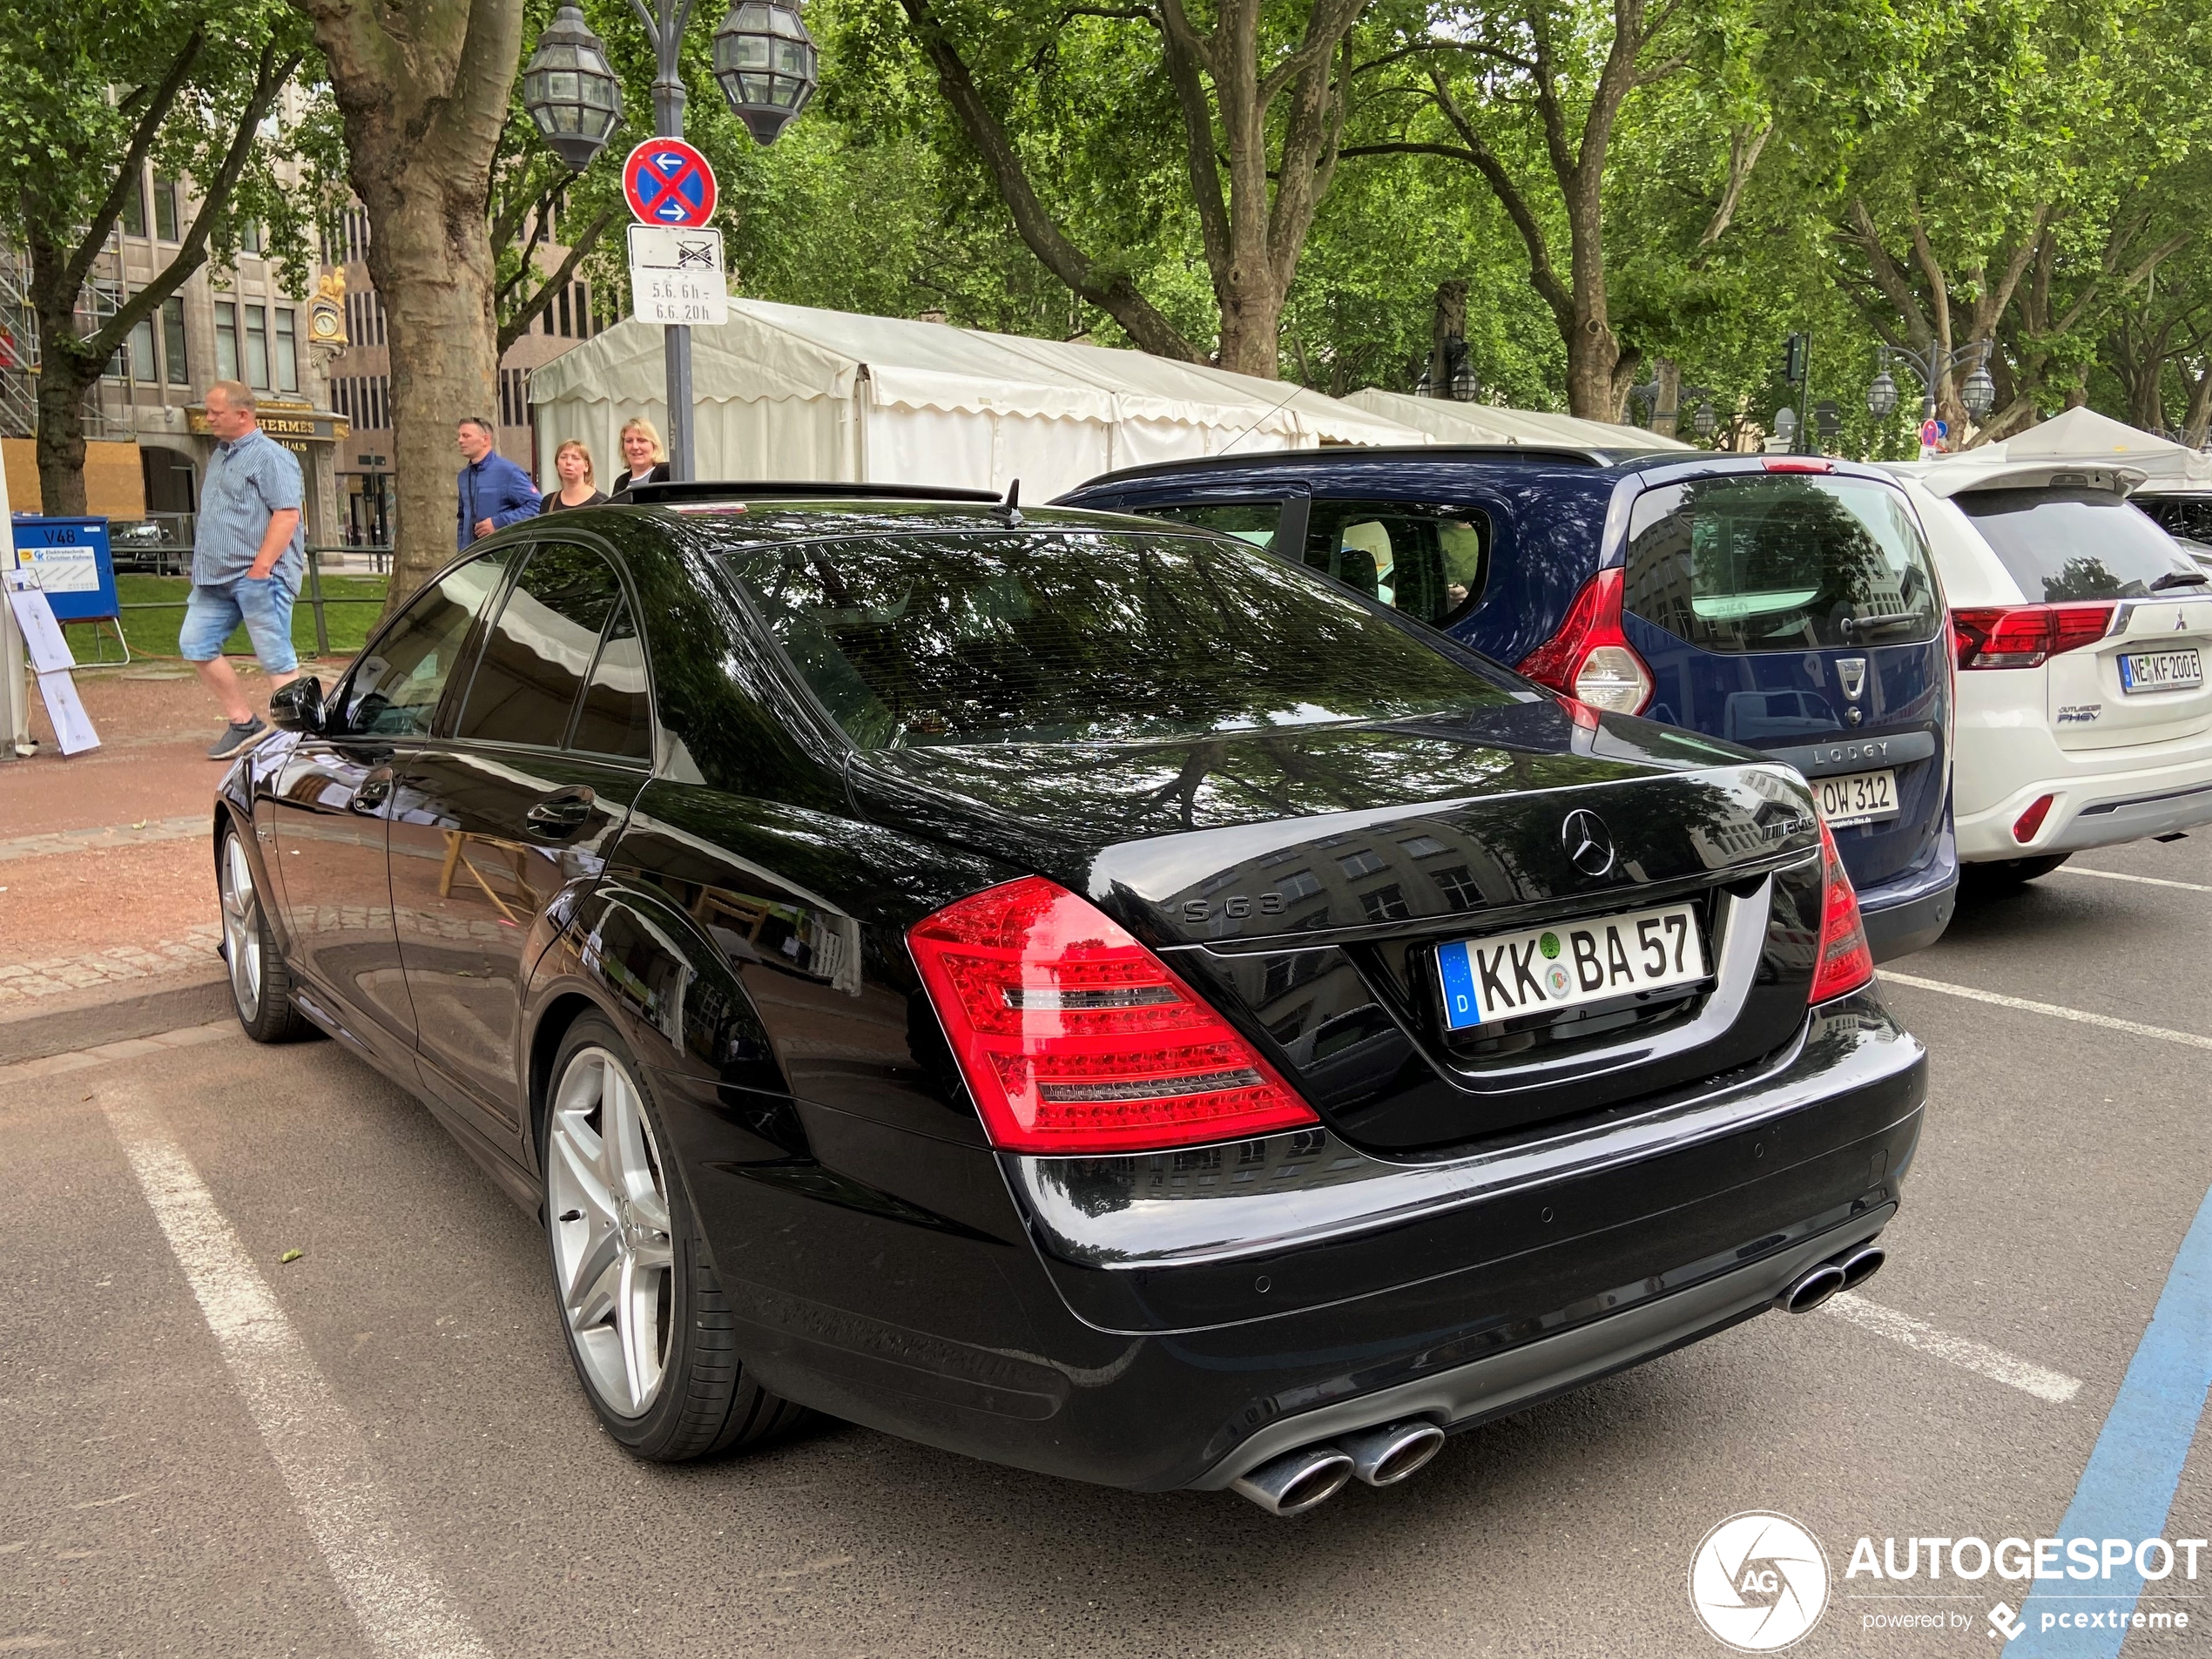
<point>669,183</point>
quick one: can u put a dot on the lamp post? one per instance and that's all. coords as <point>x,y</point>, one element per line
<point>1979,394</point>
<point>764,63</point>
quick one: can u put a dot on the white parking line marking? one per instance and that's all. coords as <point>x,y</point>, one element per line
<point>2147,880</point>
<point>390,1585</point>
<point>2054,1010</point>
<point>1963,1352</point>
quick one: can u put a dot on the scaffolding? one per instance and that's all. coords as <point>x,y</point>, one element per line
<point>111,403</point>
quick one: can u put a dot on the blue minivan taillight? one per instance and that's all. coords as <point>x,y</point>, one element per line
<point>1589,658</point>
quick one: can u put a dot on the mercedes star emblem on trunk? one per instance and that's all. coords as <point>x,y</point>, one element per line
<point>1589,843</point>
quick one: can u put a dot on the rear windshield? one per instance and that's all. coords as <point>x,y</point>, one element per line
<point>1086,638</point>
<point>2073,544</point>
<point>1780,561</point>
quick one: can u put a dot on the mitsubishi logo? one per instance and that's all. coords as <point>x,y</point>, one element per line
<point>1851,674</point>
<point>1589,843</point>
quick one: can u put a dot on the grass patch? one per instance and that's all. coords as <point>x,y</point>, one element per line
<point>153,633</point>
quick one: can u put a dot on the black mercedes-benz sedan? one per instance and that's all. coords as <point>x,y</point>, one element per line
<point>1070,990</point>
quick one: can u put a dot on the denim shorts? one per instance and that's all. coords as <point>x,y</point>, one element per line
<point>213,613</point>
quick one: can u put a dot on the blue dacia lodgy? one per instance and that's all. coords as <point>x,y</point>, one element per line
<point>1787,602</point>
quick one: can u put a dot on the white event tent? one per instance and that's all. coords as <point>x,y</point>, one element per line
<point>1450,422</point>
<point>2083,436</point>
<point>788,392</point>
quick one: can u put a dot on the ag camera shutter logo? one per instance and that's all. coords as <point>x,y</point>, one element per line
<point>1758,1582</point>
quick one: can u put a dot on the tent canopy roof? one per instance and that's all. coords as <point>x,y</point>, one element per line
<point>2082,437</point>
<point>772,351</point>
<point>1451,422</point>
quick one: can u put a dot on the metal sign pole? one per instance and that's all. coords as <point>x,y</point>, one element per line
<point>14,684</point>
<point>668,123</point>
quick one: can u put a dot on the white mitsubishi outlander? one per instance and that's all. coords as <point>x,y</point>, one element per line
<point>2081,631</point>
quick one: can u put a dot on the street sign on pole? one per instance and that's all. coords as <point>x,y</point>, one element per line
<point>666,182</point>
<point>676,277</point>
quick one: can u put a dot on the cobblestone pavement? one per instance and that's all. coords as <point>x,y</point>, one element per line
<point>136,833</point>
<point>21,982</point>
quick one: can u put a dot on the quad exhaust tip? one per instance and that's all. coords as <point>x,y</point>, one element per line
<point>1383,1457</point>
<point>1300,1481</point>
<point>1297,1481</point>
<point>1844,1272</point>
<point>1862,1264</point>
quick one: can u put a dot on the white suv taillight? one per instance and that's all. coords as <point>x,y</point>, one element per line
<point>1589,658</point>
<point>1074,1038</point>
<point>1845,962</point>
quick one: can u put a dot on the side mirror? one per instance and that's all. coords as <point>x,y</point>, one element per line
<point>297,706</point>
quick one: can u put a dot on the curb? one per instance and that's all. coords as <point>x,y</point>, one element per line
<point>36,1032</point>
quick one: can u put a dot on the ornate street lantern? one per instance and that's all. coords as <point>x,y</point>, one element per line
<point>1704,420</point>
<point>765,59</point>
<point>571,92</point>
<point>1881,396</point>
<point>1979,393</point>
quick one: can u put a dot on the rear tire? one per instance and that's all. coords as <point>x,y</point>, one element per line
<point>2001,873</point>
<point>260,981</point>
<point>648,1326</point>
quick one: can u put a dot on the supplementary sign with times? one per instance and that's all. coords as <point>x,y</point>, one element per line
<point>676,277</point>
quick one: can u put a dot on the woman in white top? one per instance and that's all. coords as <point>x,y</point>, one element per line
<point>648,458</point>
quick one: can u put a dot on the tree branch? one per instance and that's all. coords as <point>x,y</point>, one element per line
<point>515,326</point>
<point>1553,292</point>
<point>1889,276</point>
<point>269,79</point>
<point>127,181</point>
<point>1113,292</point>
<point>1743,149</point>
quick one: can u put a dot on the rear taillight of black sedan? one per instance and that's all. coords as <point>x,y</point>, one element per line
<point>1076,1039</point>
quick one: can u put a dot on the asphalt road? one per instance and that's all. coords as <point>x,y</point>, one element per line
<point>395,1458</point>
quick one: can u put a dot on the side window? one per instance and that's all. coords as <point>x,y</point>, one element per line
<point>1429,562</point>
<point>395,686</point>
<point>616,718</point>
<point>1257,522</point>
<point>538,652</point>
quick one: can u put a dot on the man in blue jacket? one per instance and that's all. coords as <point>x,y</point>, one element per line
<point>495,492</point>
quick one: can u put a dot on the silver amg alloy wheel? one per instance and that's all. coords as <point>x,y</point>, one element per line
<point>241,905</point>
<point>612,1257</point>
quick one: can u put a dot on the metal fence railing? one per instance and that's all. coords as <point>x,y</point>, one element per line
<point>312,592</point>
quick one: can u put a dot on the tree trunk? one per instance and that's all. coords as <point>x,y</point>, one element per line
<point>435,279</point>
<point>2196,424</point>
<point>423,86</point>
<point>1252,317</point>
<point>1447,322</point>
<point>1666,406</point>
<point>63,378</point>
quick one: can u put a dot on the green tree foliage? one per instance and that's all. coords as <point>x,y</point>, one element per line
<point>94,96</point>
<point>2004,171</point>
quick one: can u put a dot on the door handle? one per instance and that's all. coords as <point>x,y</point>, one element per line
<point>374,791</point>
<point>561,813</point>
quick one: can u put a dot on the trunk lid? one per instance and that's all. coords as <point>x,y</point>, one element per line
<point>2092,704</point>
<point>1307,882</point>
<point>1797,612</point>
<point>2072,544</point>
